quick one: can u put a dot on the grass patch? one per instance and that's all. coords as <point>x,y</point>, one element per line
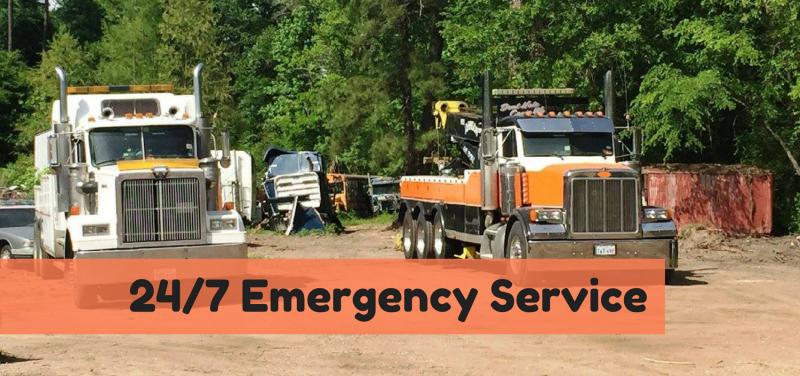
<point>350,219</point>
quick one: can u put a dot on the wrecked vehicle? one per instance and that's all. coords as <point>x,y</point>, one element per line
<point>296,191</point>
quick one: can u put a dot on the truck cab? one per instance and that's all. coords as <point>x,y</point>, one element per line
<point>126,172</point>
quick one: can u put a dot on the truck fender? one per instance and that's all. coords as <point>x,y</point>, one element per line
<point>420,210</point>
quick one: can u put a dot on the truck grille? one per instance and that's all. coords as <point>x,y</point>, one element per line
<point>604,205</point>
<point>161,210</point>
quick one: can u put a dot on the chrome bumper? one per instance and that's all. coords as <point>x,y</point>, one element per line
<point>25,252</point>
<point>666,249</point>
<point>87,275</point>
<point>208,251</point>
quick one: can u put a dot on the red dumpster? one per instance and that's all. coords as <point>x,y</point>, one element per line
<point>734,198</point>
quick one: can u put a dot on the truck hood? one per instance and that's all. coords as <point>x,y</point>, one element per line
<point>20,233</point>
<point>546,186</point>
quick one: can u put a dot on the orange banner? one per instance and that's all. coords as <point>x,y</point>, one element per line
<point>333,297</point>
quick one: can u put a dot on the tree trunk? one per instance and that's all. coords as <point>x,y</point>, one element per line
<point>434,56</point>
<point>785,149</point>
<point>44,24</point>
<point>10,23</point>
<point>403,84</point>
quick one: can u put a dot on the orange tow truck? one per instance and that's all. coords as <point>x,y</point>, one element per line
<point>537,179</point>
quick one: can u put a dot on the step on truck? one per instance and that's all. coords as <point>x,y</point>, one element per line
<point>536,179</point>
<point>127,173</point>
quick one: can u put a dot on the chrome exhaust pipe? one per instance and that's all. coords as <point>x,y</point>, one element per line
<point>62,94</point>
<point>198,90</point>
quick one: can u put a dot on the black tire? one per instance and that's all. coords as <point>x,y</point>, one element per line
<point>46,268</point>
<point>424,246</point>
<point>5,258</point>
<point>517,249</point>
<point>85,295</point>
<point>443,247</point>
<point>408,236</point>
<point>668,274</point>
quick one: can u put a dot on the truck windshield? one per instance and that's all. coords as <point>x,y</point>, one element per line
<point>109,145</point>
<point>567,144</point>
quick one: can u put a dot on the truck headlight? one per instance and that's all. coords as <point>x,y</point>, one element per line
<point>547,215</point>
<point>656,214</point>
<point>95,230</point>
<point>28,243</point>
<point>224,224</point>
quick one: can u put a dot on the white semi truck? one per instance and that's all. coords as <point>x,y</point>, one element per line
<point>127,173</point>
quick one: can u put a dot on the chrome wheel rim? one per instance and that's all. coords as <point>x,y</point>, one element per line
<point>4,259</point>
<point>420,241</point>
<point>515,251</point>
<point>438,242</point>
<point>407,239</point>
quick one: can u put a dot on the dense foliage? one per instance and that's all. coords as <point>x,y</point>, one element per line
<point>708,81</point>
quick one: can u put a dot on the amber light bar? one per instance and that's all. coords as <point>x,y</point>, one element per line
<point>504,92</point>
<point>120,89</point>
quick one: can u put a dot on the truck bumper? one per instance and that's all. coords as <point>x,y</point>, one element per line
<point>97,274</point>
<point>666,249</point>
<point>207,251</point>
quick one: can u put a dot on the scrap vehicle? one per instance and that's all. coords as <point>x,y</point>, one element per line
<point>127,173</point>
<point>351,193</point>
<point>16,231</point>
<point>386,195</point>
<point>296,191</point>
<point>537,180</point>
<point>236,183</point>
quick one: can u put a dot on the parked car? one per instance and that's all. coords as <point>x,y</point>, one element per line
<point>16,232</point>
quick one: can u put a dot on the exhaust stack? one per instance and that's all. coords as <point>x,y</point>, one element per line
<point>62,133</point>
<point>488,150</point>
<point>208,163</point>
<point>608,95</point>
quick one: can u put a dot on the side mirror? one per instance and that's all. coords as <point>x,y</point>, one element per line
<point>52,150</point>
<point>225,162</point>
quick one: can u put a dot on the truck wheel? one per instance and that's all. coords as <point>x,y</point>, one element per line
<point>443,247</point>
<point>5,257</point>
<point>85,295</point>
<point>424,237</point>
<point>517,252</point>
<point>46,268</point>
<point>668,274</point>
<point>408,236</point>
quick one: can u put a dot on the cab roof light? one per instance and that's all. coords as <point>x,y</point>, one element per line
<point>120,89</point>
<point>551,114</point>
<point>579,113</point>
<point>599,114</point>
<point>589,114</point>
<point>148,115</point>
<point>567,114</point>
<point>129,115</point>
<point>512,92</point>
<point>139,115</point>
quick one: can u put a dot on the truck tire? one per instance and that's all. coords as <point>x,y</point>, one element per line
<point>517,249</point>
<point>408,236</point>
<point>424,246</point>
<point>443,247</point>
<point>6,257</point>
<point>85,295</point>
<point>46,268</point>
<point>668,274</point>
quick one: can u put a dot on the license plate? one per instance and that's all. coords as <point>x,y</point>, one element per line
<point>605,249</point>
<point>160,274</point>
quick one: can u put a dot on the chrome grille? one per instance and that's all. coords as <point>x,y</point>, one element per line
<point>155,210</point>
<point>604,205</point>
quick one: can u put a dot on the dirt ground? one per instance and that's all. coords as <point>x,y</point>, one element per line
<point>734,309</point>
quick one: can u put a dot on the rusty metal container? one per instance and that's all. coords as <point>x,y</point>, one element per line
<point>734,198</point>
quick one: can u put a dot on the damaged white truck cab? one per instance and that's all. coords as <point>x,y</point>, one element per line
<point>127,172</point>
